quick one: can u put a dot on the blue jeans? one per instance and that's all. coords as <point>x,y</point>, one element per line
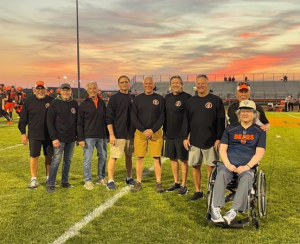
<point>88,150</point>
<point>68,150</point>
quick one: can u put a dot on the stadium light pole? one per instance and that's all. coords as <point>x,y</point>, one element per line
<point>78,60</point>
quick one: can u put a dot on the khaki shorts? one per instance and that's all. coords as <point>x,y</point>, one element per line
<point>196,156</point>
<point>122,146</point>
<point>141,143</point>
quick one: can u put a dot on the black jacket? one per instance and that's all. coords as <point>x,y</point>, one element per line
<point>91,121</point>
<point>61,120</point>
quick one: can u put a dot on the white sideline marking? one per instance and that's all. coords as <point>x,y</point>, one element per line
<point>278,136</point>
<point>17,145</point>
<point>74,230</point>
<point>293,116</point>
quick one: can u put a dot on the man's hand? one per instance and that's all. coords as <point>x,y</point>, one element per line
<point>231,167</point>
<point>265,127</point>
<point>56,143</point>
<point>242,169</point>
<point>217,145</point>
<point>186,144</point>
<point>81,143</point>
<point>148,133</point>
<point>112,140</point>
<point>24,139</point>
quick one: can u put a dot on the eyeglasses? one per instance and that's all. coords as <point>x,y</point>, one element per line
<point>243,140</point>
<point>243,83</point>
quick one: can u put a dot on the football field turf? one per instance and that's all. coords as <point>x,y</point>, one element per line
<point>100,216</point>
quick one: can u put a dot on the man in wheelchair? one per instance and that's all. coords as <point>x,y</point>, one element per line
<point>242,147</point>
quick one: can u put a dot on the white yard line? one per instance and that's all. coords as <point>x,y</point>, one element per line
<point>293,116</point>
<point>17,145</point>
<point>74,230</point>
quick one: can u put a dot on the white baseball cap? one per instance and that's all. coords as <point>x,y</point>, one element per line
<point>247,104</point>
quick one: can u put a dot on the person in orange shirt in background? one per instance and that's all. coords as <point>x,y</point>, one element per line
<point>2,105</point>
<point>9,98</point>
<point>20,99</point>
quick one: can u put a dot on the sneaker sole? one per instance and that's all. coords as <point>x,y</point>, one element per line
<point>183,194</point>
<point>226,221</point>
<point>217,220</point>
<point>177,189</point>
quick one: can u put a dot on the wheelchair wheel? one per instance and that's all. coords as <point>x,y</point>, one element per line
<point>209,189</point>
<point>261,194</point>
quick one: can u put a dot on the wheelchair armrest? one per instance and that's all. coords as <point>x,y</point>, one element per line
<point>216,162</point>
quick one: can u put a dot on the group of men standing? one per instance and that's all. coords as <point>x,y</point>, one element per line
<point>191,126</point>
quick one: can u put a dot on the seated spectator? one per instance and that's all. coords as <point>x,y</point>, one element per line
<point>233,79</point>
<point>285,78</point>
<point>246,78</point>
<point>242,147</point>
<point>229,78</point>
<point>225,78</point>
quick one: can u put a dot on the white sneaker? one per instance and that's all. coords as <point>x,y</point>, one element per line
<point>89,185</point>
<point>229,216</point>
<point>33,184</point>
<point>216,216</point>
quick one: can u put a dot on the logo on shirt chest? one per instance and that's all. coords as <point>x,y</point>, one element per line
<point>208,105</point>
<point>47,105</point>
<point>178,104</point>
<point>73,110</point>
<point>155,102</point>
<point>243,137</point>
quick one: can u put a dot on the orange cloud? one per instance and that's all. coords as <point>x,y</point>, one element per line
<point>248,35</point>
<point>250,64</point>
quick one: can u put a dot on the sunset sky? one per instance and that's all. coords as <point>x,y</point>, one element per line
<point>140,37</point>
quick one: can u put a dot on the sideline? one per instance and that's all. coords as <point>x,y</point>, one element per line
<point>17,145</point>
<point>74,230</point>
<point>293,116</point>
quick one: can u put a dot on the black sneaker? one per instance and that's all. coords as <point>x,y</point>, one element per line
<point>66,185</point>
<point>111,186</point>
<point>137,187</point>
<point>183,191</point>
<point>51,189</point>
<point>197,195</point>
<point>159,187</point>
<point>130,181</point>
<point>174,187</point>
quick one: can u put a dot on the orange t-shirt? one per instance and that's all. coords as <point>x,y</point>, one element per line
<point>96,102</point>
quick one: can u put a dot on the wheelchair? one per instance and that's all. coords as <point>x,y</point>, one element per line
<point>257,198</point>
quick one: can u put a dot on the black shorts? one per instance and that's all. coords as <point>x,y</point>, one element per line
<point>35,148</point>
<point>174,149</point>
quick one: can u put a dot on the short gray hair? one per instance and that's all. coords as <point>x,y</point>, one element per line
<point>91,82</point>
<point>202,76</point>
<point>148,76</point>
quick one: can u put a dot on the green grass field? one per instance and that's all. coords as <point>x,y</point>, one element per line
<point>35,216</point>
